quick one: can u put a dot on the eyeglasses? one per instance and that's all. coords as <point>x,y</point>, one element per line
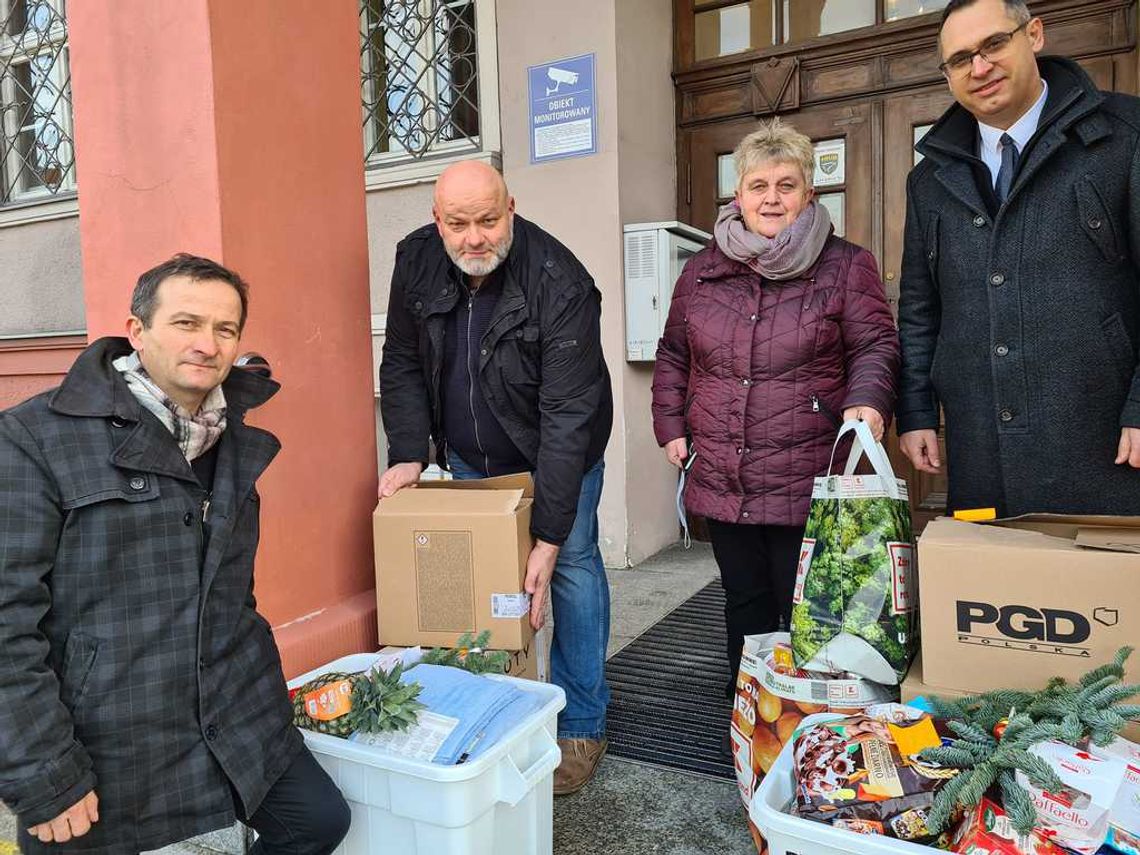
<point>961,62</point>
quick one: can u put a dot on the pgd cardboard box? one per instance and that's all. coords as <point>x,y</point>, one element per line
<point>1013,603</point>
<point>451,558</point>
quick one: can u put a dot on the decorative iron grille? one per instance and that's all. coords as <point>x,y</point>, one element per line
<point>419,76</point>
<point>37,154</point>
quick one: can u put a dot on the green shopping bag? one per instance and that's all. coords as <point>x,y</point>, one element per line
<point>854,607</point>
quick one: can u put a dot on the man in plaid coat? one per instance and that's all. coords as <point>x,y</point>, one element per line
<point>141,694</point>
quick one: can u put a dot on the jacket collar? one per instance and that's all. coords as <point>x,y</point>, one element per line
<point>94,388</point>
<point>1072,96</point>
<point>952,143</point>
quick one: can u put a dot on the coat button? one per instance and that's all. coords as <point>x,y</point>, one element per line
<point>202,662</point>
<point>549,263</point>
<point>752,317</point>
<point>745,382</point>
<point>211,733</point>
<point>745,514</point>
<point>137,483</point>
<point>1001,350</point>
<point>188,519</point>
<point>997,279</point>
<point>979,221</point>
<point>740,451</point>
<point>483,352</point>
<point>118,423</point>
<point>418,305</point>
<point>1095,223</point>
<point>1006,415</point>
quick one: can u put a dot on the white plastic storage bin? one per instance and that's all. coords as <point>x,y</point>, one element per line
<point>790,835</point>
<point>498,804</point>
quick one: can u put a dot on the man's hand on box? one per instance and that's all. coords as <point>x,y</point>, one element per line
<point>396,478</point>
<point>539,570</point>
<point>73,822</point>
<point>1129,449</point>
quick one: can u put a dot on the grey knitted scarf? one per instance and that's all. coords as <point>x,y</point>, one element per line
<point>785,256</point>
<point>195,433</point>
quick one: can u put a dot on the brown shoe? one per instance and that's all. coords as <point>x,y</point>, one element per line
<point>580,759</point>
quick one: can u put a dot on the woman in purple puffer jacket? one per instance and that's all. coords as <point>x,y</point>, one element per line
<point>777,332</point>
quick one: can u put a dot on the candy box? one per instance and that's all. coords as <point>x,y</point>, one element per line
<point>1076,818</point>
<point>986,830</point>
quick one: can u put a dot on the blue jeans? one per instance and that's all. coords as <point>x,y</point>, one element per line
<point>580,596</point>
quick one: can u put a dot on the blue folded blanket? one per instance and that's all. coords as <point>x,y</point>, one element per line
<point>487,709</point>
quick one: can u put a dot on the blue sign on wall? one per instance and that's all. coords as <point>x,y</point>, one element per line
<point>563,110</point>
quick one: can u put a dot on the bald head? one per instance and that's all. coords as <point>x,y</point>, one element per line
<point>475,215</point>
<point>469,180</point>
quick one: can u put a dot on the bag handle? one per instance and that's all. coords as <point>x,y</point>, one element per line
<point>865,443</point>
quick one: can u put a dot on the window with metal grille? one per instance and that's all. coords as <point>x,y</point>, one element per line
<point>419,76</point>
<point>37,155</point>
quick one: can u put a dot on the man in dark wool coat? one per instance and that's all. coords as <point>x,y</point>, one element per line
<point>1020,305</point>
<point>141,694</point>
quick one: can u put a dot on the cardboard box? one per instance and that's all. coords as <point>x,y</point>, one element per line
<point>1012,603</point>
<point>451,558</point>
<point>915,687</point>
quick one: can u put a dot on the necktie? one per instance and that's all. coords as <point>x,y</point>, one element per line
<point>1008,167</point>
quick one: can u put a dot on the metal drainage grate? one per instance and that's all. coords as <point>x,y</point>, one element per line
<point>667,703</point>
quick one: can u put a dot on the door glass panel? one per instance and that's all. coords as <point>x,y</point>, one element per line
<point>896,9</point>
<point>836,204</point>
<point>725,177</point>
<point>732,29</point>
<point>806,19</point>
<point>919,132</point>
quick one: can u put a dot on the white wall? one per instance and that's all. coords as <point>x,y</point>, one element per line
<point>584,202</point>
<point>41,278</point>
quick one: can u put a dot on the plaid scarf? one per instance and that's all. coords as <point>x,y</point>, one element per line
<point>195,433</point>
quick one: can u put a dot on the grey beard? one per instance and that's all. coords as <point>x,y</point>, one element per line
<point>485,268</point>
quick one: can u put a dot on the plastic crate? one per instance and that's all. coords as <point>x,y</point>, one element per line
<point>498,804</point>
<point>791,835</point>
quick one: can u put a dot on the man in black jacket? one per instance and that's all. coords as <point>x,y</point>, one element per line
<point>493,350</point>
<point>1020,305</point>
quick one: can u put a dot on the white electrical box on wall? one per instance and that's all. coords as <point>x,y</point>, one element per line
<point>655,254</point>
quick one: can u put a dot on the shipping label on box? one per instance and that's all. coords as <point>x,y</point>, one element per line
<point>1014,603</point>
<point>451,558</point>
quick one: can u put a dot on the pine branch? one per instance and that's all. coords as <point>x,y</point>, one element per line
<point>973,733</point>
<point>1017,804</point>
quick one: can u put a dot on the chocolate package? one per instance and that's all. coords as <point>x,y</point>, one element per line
<point>862,773</point>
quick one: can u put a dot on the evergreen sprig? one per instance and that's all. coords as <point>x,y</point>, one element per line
<point>1093,709</point>
<point>470,653</point>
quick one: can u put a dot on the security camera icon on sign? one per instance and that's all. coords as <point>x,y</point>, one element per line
<point>560,76</point>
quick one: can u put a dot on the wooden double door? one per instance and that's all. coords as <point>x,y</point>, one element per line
<point>865,150</point>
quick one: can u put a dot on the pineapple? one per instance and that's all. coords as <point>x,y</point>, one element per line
<point>380,702</point>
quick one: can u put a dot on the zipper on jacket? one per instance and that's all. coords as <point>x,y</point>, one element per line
<point>817,406</point>
<point>471,385</point>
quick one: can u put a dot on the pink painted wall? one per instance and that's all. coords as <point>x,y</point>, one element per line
<point>208,126</point>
